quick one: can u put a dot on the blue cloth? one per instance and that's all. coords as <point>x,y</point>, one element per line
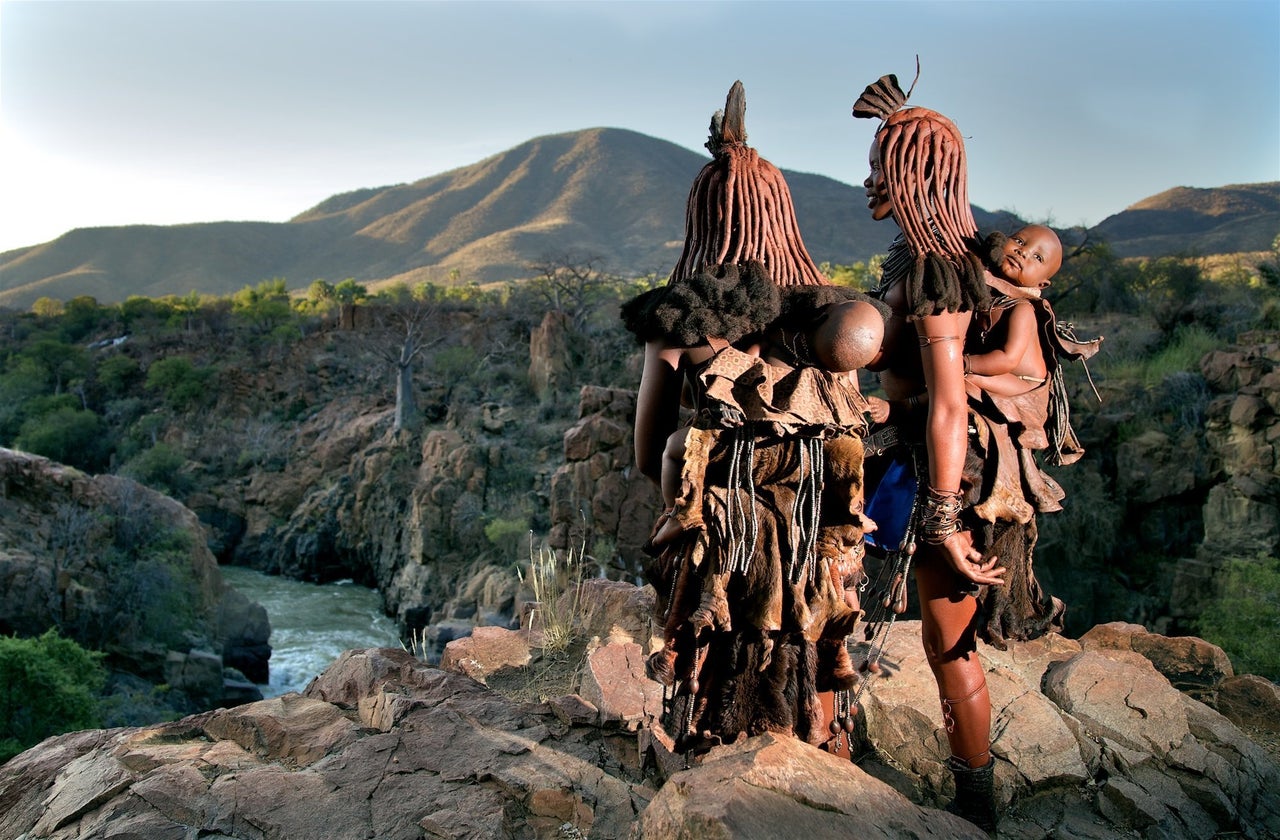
<point>890,505</point>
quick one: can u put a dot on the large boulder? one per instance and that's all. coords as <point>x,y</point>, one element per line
<point>1190,663</point>
<point>772,786</point>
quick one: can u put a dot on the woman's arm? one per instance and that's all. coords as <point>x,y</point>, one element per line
<point>657,406</point>
<point>947,431</point>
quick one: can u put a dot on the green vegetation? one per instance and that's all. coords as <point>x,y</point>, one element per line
<point>180,384</point>
<point>48,685</point>
<point>160,468</point>
<point>1244,620</point>
<point>1181,353</point>
<point>66,434</point>
<point>506,534</point>
<point>187,394</point>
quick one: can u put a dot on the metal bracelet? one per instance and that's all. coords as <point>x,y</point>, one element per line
<point>940,517</point>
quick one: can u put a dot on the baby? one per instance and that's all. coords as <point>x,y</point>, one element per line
<point>1004,354</point>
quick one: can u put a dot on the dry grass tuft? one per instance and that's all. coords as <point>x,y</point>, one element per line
<point>557,611</point>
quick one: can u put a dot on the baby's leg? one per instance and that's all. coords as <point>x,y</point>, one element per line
<point>672,465</point>
<point>668,526</point>
<point>1004,384</point>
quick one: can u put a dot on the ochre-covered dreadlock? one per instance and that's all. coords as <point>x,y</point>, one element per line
<point>922,159</point>
<point>739,209</point>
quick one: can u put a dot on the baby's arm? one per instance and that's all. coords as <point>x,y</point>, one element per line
<point>1020,335</point>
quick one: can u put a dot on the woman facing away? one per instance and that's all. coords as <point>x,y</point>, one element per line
<point>758,552</point>
<point>966,535</point>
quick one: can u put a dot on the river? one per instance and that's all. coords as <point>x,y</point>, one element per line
<point>312,624</point>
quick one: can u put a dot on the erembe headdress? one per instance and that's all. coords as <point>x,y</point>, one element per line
<point>922,159</point>
<point>742,244</point>
<point>739,208</point>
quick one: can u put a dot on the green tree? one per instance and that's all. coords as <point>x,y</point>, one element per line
<point>47,307</point>
<point>159,467</point>
<point>117,375</point>
<point>68,435</point>
<point>64,362</point>
<point>349,291</point>
<point>82,317</point>
<point>862,276</point>
<point>263,307</point>
<point>321,297</point>
<point>24,380</point>
<point>48,685</point>
<point>181,384</point>
<point>186,308</point>
<point>1172,290</point>
<point>139,312</point>
<point>1094,279</point>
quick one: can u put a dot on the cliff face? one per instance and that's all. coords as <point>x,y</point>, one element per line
<point>1092,739</point>
<point>123,569</point>
<point>406,513</point>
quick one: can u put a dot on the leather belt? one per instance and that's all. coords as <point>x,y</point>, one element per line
<point>878,443</point>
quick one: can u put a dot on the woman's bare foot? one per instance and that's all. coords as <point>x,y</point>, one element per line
<point>662,666</point>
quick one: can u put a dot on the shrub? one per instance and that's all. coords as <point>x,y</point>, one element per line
<point>67,435</point>
<point>117,375</point>
<point>159,467</point>
<point>1244,619</point>
<point>506,534</point>
<point>179,382</point>
<point>48,685</point>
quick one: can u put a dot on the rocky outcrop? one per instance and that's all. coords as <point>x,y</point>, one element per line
<point>597,494</point>
<point>1241,511</point>
<point>549,355</point>
<point>772,786</point>
<point>402,513</point>
<point>380,745</point>
<point>1091,741</point>
<point>126,570</point>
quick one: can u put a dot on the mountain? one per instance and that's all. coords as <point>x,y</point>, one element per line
<point>1187,220</point>
<point>607,193</point>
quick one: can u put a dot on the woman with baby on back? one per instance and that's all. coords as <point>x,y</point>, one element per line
<point>958,488</point>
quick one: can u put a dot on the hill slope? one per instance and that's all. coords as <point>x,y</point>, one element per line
<point>1189,220</point>
<point>607,193</point>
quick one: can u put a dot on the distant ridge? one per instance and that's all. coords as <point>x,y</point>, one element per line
<point>1189,220</point>
<point>609,193</point>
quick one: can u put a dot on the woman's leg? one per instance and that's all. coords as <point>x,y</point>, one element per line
<point>948,627</point>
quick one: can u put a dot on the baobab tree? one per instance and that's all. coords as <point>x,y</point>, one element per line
<point>404,321</point>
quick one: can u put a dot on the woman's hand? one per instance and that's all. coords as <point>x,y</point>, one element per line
<point>967,561</point>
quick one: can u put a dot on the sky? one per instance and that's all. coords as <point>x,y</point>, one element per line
<point>176,111</point>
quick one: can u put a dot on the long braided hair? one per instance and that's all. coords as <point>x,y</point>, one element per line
<point>923,162</point>
<point>740,211</point>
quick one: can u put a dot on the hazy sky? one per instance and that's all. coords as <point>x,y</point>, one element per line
<point>166,112</point>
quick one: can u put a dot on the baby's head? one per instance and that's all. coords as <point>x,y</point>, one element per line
<point>1030,257</point>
